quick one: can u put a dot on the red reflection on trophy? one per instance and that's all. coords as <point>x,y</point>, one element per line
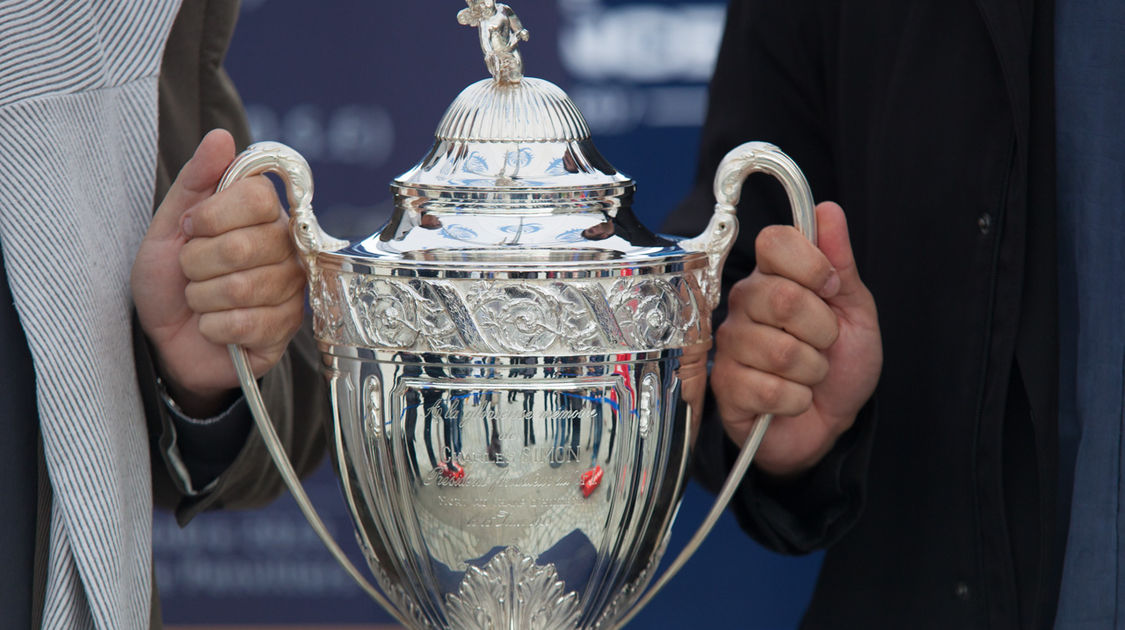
<point>452,471</point>
<point>590,480</point>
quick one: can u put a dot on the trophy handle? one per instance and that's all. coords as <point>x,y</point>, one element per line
<point>716,241</point>
<point>291,167</point>
<point>718,238</point>
<point>310,239</point>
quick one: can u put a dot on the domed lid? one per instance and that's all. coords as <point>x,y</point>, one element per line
<point>528,110</point>
<point>501,135</point>
<point>512,175</point>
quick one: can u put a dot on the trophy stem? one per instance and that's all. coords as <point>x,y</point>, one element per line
<point>289,476</point>
<point>745,457</point>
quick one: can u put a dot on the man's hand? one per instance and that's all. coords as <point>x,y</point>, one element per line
<point>801,340</point>
<point>216,269</point>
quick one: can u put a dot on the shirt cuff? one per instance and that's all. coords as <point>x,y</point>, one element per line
<point>200,449</point>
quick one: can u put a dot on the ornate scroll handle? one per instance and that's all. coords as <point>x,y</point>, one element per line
<point>500,34</point>
<point>274,157</point>
<point>310,240</point>
<point>717,240</point>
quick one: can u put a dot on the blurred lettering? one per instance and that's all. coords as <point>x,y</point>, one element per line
<point>350,134</point>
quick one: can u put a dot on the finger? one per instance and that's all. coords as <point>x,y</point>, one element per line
<point>742,392</point>
<point>260,328</point>
<point>771,350</point>
<point>196,181</point>
<point>834,241</point>
<point>782,250</point>
<point>782,303</point>
<point>246,248</point>
<point>248,202</point>
<point>270,285</point>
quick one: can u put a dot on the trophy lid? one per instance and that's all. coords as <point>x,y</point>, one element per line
<point>513,176</point>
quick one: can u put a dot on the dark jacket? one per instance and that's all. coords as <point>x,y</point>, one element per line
<point>932,124</point>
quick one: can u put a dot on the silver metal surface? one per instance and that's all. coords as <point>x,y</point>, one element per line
<point>517,365</point>
<point>500,35</point>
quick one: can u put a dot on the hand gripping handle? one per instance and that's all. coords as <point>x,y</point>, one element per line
<point>273,157</point>
<point>716,241</point>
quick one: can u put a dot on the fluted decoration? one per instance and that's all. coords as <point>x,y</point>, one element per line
<point>532,110</point>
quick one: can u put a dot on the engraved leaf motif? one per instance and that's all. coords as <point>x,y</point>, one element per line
<point>328,316</point>
<point>511,315</point>
<point>385,312</point>
<point>435,323</point>
<point>649,312</point>
<point>516,318</point>
<point>579,326</point>
<point>512,591</point>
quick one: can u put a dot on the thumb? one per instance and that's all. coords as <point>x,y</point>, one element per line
<point>197,181</point>
<point>834,241</point>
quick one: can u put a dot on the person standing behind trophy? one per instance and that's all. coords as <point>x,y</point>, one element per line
<point>99,104</point>
<point>976,146</point>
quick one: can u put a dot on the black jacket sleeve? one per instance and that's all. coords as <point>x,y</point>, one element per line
<point>770,84</point>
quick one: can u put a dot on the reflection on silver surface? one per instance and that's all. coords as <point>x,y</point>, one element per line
<point>546,462</point>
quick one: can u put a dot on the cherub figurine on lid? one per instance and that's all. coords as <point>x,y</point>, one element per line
<point>500,35</point>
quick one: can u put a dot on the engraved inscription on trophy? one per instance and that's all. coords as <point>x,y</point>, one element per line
<point>514,460</point>
<point>519,435</point>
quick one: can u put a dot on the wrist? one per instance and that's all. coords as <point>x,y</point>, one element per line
<point>795,445</point>
<point>191,403</point>
<point>790,469</point>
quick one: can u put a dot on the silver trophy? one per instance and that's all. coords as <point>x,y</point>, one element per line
<point>517,365</point>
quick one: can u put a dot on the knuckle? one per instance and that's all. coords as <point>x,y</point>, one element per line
<point>732,411</point>
<point>240,289</point>
<point>210,326</point>
<point>261,198</point>
<point>802,400</point>
<point>770,239</point>
<point>721,372</point>
<point>724,336</point>
<point>277,234</point>
<point>820,369</point>
<point>785,301</point>
<point>739,291</point>
<point>828,333</point>
<point>770,392</point>
<point>188,259</point>
<point>296,274</point>
<point>833,332</point>
<point>295,318</point>
<point>784,354</point>
<point>225,327</point>
<point>283,284</point>
<point>192,297</point>
<point>820,272</point>
<point>236,249</point>
<point>185,259</point>
<point>203,218</point>
<point>730,378</point>
<point>240,325</point>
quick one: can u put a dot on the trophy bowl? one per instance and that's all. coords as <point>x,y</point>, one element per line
<point>516,364</point>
